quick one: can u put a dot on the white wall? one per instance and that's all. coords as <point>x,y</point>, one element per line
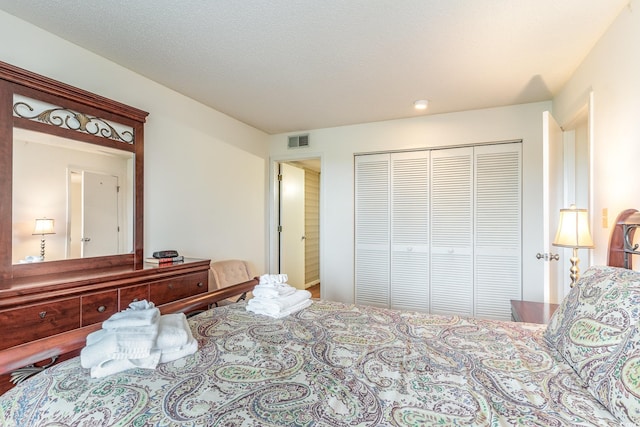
<point>611,71</point>
<point>204,171</point>
<point>337,146</point>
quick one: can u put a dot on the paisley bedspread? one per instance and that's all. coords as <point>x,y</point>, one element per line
<point>331,364</point>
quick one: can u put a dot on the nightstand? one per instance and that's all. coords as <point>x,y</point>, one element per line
<point>532,312</point>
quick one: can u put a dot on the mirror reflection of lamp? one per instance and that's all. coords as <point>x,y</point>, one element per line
<point>43,226</point>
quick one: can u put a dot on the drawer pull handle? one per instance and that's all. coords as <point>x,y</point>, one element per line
<point>170,285</point>
<point>42,314</point>
<point>101,309</point>
<point>200,284</point>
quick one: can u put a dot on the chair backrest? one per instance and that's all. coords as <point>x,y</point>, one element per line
<point>230,272</point>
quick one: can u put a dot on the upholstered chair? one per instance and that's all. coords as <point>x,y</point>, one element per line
<point>230,272</point>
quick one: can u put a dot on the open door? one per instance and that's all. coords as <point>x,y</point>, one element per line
<point>292,234</point>
<point>553,200</point>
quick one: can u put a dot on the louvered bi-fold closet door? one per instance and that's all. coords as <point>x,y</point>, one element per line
<point>452,231</point>
<point>410,231</point>
<point>498,229</point>
<point>372,222</point>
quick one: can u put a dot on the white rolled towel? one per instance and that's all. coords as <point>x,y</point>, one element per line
<point>274,306</point>
<point>139,313</point>
<point>273,279</point>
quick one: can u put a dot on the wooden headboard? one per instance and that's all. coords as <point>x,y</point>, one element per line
<point>616,255</point>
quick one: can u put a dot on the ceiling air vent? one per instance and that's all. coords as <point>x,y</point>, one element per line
<point>298,141</point>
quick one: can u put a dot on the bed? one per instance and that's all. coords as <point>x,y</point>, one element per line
<point>336,364</point>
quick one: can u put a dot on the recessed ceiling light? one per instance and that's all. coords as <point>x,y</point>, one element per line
<point>421,104</point>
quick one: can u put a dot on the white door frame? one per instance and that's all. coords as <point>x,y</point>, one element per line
<point>273,252</point>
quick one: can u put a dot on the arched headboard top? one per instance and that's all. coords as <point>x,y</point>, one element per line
<point>616,256</point>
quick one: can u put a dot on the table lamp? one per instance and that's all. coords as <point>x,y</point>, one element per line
<point>573,232</point>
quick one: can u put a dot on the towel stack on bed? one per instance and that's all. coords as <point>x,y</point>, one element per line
<point>274,297</point>
<point>138,337</point>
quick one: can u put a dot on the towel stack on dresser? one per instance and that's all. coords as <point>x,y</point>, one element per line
<point>138,337</point>
<point>274,297</point>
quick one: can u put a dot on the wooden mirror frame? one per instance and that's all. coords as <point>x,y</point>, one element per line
<point>14,80</point>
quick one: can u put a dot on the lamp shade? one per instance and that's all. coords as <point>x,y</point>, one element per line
<point>44,226</point>
<point>573,229</point>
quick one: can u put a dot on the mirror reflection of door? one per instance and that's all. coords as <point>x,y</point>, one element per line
<point>93,214</point>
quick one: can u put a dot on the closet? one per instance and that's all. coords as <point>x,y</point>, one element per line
<point>439,231</point>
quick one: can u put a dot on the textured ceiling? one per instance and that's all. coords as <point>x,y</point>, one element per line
<point>285,66</point>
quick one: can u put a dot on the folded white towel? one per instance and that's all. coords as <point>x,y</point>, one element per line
<point>139,313</point>
<point>177,353</point>
<point>279,291</point>
<point>173,332</point>
<point>293,309</point>
<point>275,306</point>
<point>121,343</point>
<point>113,366</point>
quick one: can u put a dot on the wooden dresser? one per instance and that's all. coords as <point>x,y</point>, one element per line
<point>37,307</point>
<point>71,301</point>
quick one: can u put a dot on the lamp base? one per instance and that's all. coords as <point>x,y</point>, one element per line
<point>575,271</point>
<point>42,248</point>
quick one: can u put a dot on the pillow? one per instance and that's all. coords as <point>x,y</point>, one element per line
<point>595,317</point>
<point>616,383</point>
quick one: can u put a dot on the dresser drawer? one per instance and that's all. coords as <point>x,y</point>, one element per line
<point>168,290</point>
<point>98,307</point>
<point>24,324</point>
<point>132,293</point>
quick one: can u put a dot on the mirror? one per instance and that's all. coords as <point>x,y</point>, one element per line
<point>85,188</point>
<point>58,144</point>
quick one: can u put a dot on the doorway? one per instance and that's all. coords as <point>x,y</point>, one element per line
<point>577,144</point>
<point>298,222</point>
<point>568,181</point>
